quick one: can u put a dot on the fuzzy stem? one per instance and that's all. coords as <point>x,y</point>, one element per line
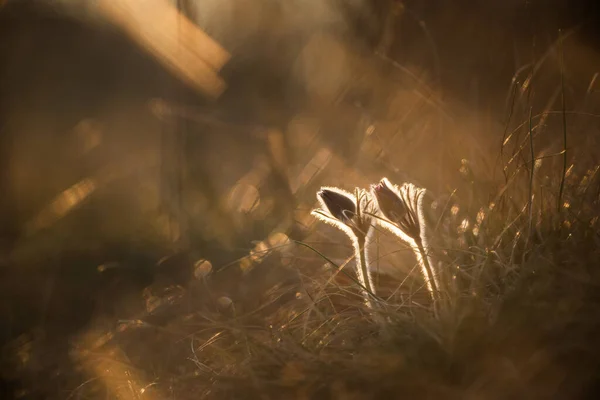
<point>431,277</point>
<point>419,250</point>
<point>424,248</point>
<point>362,268</point>
<point>427,268</point>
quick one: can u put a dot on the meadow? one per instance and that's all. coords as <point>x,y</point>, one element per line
<point>157,246</point>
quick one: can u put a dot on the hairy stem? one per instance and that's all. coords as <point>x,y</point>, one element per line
<point>362,268</point>
<point>427,268</point>
<point>430,277</point>
<point>416,244</point>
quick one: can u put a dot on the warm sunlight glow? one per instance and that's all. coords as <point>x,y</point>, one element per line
<point>172,38</point>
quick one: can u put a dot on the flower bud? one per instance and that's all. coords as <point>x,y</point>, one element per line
<point>390,204</point>
<point>399,205</point>
<point>340,206</point>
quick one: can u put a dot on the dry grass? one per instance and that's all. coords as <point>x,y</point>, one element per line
<point>519,319</point>
<point>518,309</point>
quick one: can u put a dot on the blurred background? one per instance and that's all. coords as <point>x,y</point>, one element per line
<point>140,138</point>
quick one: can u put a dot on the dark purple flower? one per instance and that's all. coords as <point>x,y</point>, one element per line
<point>396,208</point>
<point>390,204</point>
<point>340,206</point>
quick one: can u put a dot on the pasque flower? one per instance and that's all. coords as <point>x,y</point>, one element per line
<point>352,214</point>
<point>340,205</point>
<point>401,209</point>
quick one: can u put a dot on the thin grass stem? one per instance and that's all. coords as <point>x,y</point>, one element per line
<point>564,120</point>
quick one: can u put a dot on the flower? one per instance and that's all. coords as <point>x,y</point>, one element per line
<point>400,205</point>
<point>339,205</point>
<point>348,212</point>
<point>390,203</point>
<point>402,209</point>
<point>352,214</point>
